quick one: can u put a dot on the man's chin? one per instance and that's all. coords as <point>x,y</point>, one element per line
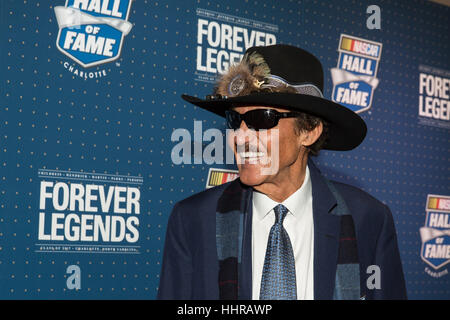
<point>250,175</point>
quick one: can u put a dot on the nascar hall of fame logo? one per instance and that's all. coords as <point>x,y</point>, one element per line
<point>354,79</point>
<point>91,33</point>
<point>83,212</point>
<point>216,177</point>
<point>435,235</point>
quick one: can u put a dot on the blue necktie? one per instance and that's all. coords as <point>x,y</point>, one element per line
<point>278,277</point>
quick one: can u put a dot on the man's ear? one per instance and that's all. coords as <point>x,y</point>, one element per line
<point>311,136</point>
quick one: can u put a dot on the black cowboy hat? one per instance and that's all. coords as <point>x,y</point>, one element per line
<point>263,71</point>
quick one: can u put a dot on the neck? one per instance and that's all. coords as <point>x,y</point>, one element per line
<point>285,183</point>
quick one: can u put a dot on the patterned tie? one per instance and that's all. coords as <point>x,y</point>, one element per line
<point>278,278</point>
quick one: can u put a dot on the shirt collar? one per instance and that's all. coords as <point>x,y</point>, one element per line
<point>295,203</point>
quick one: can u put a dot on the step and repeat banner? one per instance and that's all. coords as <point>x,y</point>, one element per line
<point>97,145</point>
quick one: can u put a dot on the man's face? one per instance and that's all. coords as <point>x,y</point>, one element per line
<point>268,156</point>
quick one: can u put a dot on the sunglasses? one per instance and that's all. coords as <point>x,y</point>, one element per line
<point>258,119</point>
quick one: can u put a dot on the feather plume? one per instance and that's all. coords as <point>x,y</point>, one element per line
<point>245,77</point>
<point>259,67</point>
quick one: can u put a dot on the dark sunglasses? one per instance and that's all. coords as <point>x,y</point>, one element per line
<point>258,119</point>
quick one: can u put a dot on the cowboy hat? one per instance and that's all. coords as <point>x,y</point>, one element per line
<point>286,77</point>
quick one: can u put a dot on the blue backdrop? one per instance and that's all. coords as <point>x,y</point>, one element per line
<point>90,95</point>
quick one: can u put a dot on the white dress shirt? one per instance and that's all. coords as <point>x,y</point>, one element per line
<point>300,228</point>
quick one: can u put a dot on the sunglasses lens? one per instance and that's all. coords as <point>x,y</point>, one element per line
<point>261,119</point>
<point>233,119</point>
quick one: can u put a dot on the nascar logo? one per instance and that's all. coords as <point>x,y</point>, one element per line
<point>435,234</point>
<point>354,78</point>
<point>358,46</point>
<point>91,32</point>
<point>216,177</point>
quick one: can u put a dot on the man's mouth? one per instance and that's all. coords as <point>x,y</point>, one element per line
<point>251,156</point>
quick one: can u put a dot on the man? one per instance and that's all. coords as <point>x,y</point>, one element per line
<point>282,230</point>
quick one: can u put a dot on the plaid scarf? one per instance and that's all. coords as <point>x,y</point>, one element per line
<point>231,210</point>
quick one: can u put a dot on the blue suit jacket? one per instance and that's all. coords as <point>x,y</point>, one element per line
<point>190,263</point>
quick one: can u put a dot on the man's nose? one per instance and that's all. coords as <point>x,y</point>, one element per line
<point>243,126</point>
<point>244,135</point>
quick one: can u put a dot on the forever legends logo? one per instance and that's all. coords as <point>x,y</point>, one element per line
<point>91,33</point>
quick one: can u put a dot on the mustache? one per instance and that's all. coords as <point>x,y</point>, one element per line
<point>247,147</point>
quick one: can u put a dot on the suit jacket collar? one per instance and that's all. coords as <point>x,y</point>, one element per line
<point>326,235</point>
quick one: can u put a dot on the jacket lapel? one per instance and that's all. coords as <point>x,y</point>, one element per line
<point>326,236</point>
